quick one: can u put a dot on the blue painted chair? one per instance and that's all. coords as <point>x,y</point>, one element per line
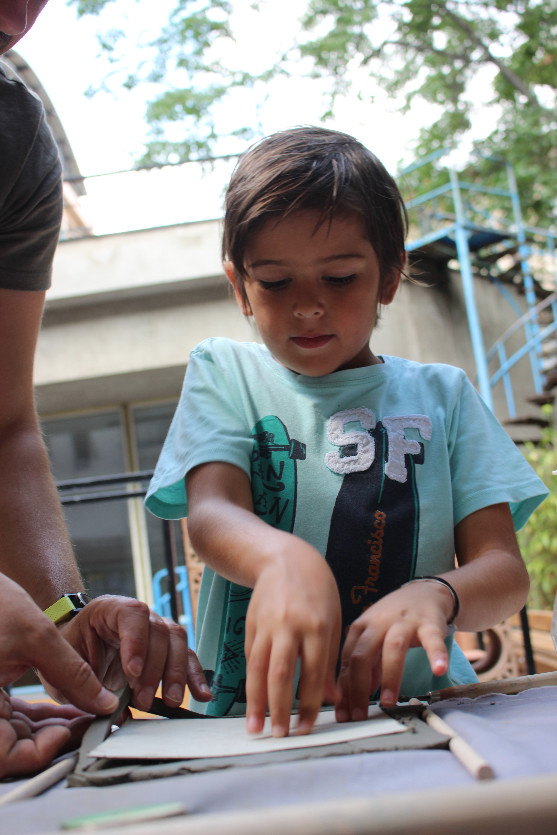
<point>162,598</point>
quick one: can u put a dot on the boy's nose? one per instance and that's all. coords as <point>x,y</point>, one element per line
<point>308,308</point>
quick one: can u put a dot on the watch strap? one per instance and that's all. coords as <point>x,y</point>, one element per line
<point>67,606</point>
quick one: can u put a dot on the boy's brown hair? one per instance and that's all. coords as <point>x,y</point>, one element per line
<point>311,168</point>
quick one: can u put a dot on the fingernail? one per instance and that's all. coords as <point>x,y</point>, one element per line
<point>341,715</point>
<point>279,731</point>
<point>251,725</point>
<point>387,698</point>
<point>144,699</point>
<point>358,715</point>
<point>135,666</point>
<point>175,693</point>
<point>303,728</point>
<point>206,689</point>
<point>439,665</point>
<point>106,700</point>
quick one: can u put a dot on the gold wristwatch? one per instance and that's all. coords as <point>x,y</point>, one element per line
<point>67,606</point>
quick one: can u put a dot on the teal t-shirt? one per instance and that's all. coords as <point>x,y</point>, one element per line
<point>373,466</point>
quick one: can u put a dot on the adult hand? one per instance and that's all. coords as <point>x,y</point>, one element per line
<point>31,735</point>
<point>123,641</point>
<point>29,639</point>
<point>293,615</point>
<point>375,648</point>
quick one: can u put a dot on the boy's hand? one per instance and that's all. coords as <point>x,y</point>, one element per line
<point>294,614</point>
<point>375,648</point>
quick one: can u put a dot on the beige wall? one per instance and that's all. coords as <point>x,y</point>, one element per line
<point>125,311</point>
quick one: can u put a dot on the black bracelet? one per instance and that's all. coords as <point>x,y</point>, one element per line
<point>446,583</point>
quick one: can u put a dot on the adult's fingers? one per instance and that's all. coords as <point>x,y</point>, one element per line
<point>121,623</point>
<point>25,756</point>
<point>39,711</point>
<point>175,671</point>
<point>197,682</point>
<point>67,672</point>
<point>145,685</point>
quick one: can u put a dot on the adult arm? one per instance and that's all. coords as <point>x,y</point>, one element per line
<point>119,637</point>
<point>294,612</point>
<point>35,550</point>
<point>491,582</point>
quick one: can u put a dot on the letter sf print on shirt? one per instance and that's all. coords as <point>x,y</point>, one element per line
<point>373,536</point>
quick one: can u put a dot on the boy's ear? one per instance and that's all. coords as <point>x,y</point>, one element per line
<point>241,298</point>
<point>390,286</point>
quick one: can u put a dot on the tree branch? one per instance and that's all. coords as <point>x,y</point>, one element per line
<point>505,71</point>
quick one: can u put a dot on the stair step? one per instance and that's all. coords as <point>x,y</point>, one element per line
<point>550,382</point>
<point>527,420</point>
<point>542,399</point>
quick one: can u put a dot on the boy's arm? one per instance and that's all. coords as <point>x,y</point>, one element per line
<point>491,583</point>
<point>294,612</point>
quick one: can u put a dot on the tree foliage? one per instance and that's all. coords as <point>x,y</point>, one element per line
<point>450,54</point>
<point>470,59</point>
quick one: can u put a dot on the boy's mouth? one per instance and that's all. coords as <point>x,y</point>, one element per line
<point>314,341</point>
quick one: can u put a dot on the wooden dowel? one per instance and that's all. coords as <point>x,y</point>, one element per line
<point>508,686</point>
<point>41,782</point>
<point>473,762</point>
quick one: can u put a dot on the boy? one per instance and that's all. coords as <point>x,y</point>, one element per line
<point>335,484</point>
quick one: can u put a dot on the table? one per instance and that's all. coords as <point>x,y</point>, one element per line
<point>382,792</point>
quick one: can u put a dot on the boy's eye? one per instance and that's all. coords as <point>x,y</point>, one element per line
<point>279,284</point>
<point>339,280</point>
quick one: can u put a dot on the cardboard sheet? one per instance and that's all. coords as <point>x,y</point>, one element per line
<point>178,739</point>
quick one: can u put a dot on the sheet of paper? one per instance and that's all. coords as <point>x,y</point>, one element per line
<point>183,739</point>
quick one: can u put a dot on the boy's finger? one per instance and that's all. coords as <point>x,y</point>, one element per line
<point>316,681</point>
<point>257,666</point>
<point>433,641</point>
<point>282,671</point>
<point>395,646</point>
<point>356,669</point>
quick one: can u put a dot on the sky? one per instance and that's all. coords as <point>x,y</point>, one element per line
<point>106,131</point>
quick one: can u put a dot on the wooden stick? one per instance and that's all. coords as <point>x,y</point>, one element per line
<point>41,782</point>
<point>509,686</point>
<point>473,762</point>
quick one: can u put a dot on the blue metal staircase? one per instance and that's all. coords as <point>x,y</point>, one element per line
<point>478,231</point>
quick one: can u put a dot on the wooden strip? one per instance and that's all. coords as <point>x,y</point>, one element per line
<point>41,782</point>
<point>508,686</point>
<point>507,807</point>
<point>473,762</point>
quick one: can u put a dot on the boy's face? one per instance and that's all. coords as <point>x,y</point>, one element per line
<point>314,294</point>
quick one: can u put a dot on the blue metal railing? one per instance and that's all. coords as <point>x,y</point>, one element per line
<point>163,599</point>
<point>534,339</point>
<point>464,217</point>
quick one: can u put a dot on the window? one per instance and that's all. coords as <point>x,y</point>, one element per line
<point>86,447</point>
